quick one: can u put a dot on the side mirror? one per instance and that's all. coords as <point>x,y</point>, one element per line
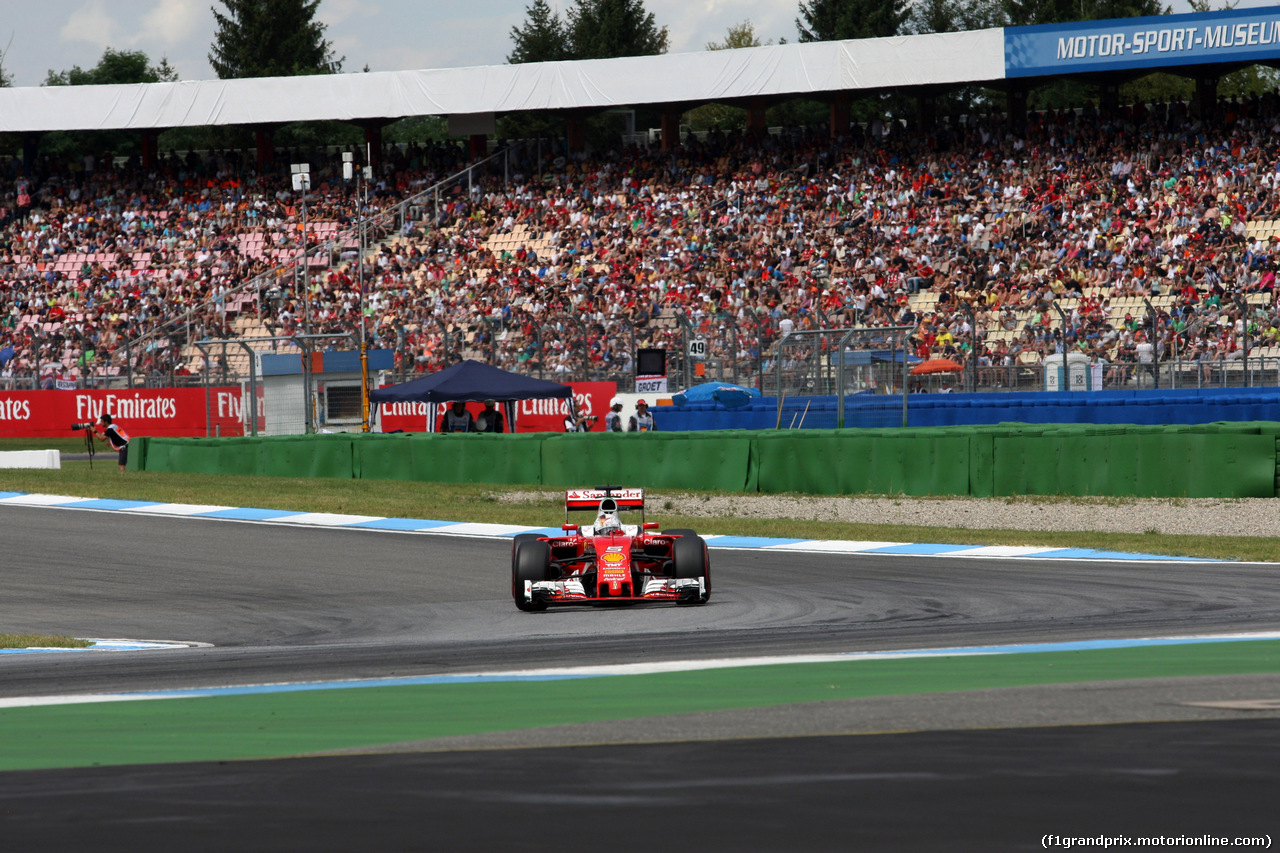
<point>569,528</point>
<point>651,525</point>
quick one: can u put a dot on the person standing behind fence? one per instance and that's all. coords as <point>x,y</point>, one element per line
<point>1145,352</point>
<point>642,420</point>
<point>490,419</point>
<point>457,419</point>
<point>108,430</point>
<point>613,420</point>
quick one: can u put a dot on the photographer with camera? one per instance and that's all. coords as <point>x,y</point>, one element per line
<point>107,430</point>
<point>574,422</point>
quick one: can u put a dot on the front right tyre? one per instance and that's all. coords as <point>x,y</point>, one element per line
<point>530,561</point>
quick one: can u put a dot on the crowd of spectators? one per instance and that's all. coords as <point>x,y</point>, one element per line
<point>108,268</point>
<point>999,245</point>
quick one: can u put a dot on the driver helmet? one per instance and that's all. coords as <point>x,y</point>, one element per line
<point>607,518</point>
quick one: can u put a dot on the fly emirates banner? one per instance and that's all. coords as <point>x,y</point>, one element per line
<point>163,411</point>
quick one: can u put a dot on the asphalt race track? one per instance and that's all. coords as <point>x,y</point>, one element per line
<point>984,770</point>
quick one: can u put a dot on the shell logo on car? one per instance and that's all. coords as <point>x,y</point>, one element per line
<point>613,557</point>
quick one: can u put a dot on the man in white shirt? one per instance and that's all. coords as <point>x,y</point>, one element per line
<point>1146,357</point>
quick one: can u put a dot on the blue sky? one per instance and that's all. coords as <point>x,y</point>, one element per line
<point>387,35</point>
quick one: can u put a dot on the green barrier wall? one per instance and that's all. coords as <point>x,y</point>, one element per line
<point>1090,460</point>
<point>834,462</point>
<point>688,460</point>
<point>450,458</point>
<point>327,455</point>
<point>1208,460</point>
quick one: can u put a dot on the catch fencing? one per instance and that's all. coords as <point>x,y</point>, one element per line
<point>288,396</point>
<point>839,362</point>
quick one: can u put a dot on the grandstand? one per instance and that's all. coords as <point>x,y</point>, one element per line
<point>1136,235</point>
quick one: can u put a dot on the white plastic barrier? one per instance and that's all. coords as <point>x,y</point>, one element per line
<point>30,459</point>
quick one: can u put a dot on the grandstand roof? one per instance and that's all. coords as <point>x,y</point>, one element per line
<point>1238,35</point>
<point>706,76</point>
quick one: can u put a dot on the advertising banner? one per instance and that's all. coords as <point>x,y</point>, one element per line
<point>651,384</point>
<point>531,415</point>
<point>1227,36</point>
<point>160,412</point>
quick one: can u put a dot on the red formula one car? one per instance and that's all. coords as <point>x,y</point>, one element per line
<point>609,562</point>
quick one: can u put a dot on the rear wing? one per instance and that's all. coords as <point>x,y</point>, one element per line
<point>589,499</point>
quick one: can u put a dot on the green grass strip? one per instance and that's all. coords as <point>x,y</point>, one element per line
<point>41,641</point>
<point>282,724</point>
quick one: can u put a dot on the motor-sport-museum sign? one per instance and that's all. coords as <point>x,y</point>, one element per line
<point>166,411</point>
<point>1227,36</point>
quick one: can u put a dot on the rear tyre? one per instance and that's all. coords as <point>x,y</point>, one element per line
<point>531,562</point>
<point>690,560</point>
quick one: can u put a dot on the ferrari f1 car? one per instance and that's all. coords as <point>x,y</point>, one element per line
<point>609,562</point>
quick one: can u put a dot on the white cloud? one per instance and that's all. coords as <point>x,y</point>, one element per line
<point>172,21</point>
<point>337,11</point>
<point>91,23</point>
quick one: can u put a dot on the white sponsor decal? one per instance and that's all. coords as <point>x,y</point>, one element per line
<point>418,410</point>
<point>229,405</point>
<point>136,406</point>
<point>598,494</point>
<point>1169,40</point>
<point>544,406</point>
<point>15,410</point>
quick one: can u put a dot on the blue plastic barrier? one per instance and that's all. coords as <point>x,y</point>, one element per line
<point>1151,407</point>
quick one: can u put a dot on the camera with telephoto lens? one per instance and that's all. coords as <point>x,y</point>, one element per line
<point>82,426</point>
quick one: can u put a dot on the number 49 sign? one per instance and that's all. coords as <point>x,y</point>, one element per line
<point>697,348</point>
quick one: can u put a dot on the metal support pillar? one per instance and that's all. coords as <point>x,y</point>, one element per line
<point>839,116</point>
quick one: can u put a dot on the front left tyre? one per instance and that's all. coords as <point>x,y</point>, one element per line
<point>689,559</point>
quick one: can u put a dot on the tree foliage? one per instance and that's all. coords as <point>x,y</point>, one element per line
<point>953,16</point>
<point>739,35</point>
<point>831,20</point>
<point>115,66</point>
<point>602,29</point>
<point>270,38</point>
<point>1026,12</point>
<point>543,38</point>
<point>591,29</point>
